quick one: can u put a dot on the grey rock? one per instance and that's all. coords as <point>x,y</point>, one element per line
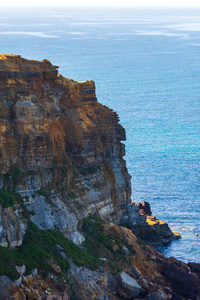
<point>34,272</point>
<point>102,258</point>
<point>18,281</point>
<point>61,251</point>
<point>60,248</point>
<point>12,227</point>
<point>144,284</point>
<point>134,272</point>
<point>132,217</point>
<point>158,295</point>
<point>5,287</point>
<point>127,288</point>
<point>21,269</point>
<point>51,215</point>
<point>77,238</point>
<point>90,284</point>
<point>125,251</point>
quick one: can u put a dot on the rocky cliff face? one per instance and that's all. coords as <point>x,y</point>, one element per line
<point>62,171</point>
<point>60,150</point>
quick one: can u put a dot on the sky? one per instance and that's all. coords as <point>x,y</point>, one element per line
<point>114,3</point>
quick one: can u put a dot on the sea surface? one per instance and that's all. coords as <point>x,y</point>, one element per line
<point>146,65</point>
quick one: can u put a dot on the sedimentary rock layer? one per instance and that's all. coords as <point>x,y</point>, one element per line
<point>60,149</point>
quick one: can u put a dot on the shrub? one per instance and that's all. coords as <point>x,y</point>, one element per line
<point>33,172</point>
<point>15,175</point>
<point>89,171</point>
<point>8,198</point>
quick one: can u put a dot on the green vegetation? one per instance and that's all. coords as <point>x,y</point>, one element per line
<point>141,242</point>
<point>103,245</point>
<point>158,229</point>
<point>89,171</point>
<point>8,198</point>
<point>16,175</point>
<point>33,172</point>
<point>78,205</point>
<point>39,245</point>
<point>71,195</point>
<point>43,192</point>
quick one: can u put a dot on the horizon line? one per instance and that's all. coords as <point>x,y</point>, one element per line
<point>101,6</point>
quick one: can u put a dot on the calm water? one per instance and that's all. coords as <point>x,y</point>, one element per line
<point>146,64</point>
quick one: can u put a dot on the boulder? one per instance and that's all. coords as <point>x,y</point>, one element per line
<point>144,284</point>
<point>32,294</point>
<point>127,287</point>
<point>180,277</point>
<point>88,284</point>
<point>21,269</point>
<point>134,272</point>
<point>158,295</point>
<point>125,251</point>
<point>77,238</point>
<point>55,267</point>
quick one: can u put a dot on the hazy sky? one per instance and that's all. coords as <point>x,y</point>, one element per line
<point>176,3</point>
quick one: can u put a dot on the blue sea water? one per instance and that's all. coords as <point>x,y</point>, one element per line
<point>146,65</point>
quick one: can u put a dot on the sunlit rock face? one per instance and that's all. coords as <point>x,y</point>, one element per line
<point>65,146</point>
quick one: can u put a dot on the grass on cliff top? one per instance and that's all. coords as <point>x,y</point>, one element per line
<point>39,245</point>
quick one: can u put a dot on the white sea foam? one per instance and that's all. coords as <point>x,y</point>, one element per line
<point>194,26</point>
<point>121,39</point>
<point>32,33</point>
<point>6,24</point>
<point>164,33</point>
<point>105,23</point>
<point>195,44</point>
<point>168,52</point>
<point>73,24</point>
<point>76,38</point>
<point>77,32</point>
<point>27,25</point>
<point>121,33</point>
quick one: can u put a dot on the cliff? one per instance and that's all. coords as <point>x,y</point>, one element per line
<point>64,183</point>
<point>60,150</point>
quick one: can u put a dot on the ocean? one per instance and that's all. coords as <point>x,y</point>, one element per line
<point>146,65</point>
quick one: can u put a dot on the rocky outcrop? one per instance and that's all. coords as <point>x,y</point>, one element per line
<point>163,235</point>
<point>60,150</point>
<point>139,219</point>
